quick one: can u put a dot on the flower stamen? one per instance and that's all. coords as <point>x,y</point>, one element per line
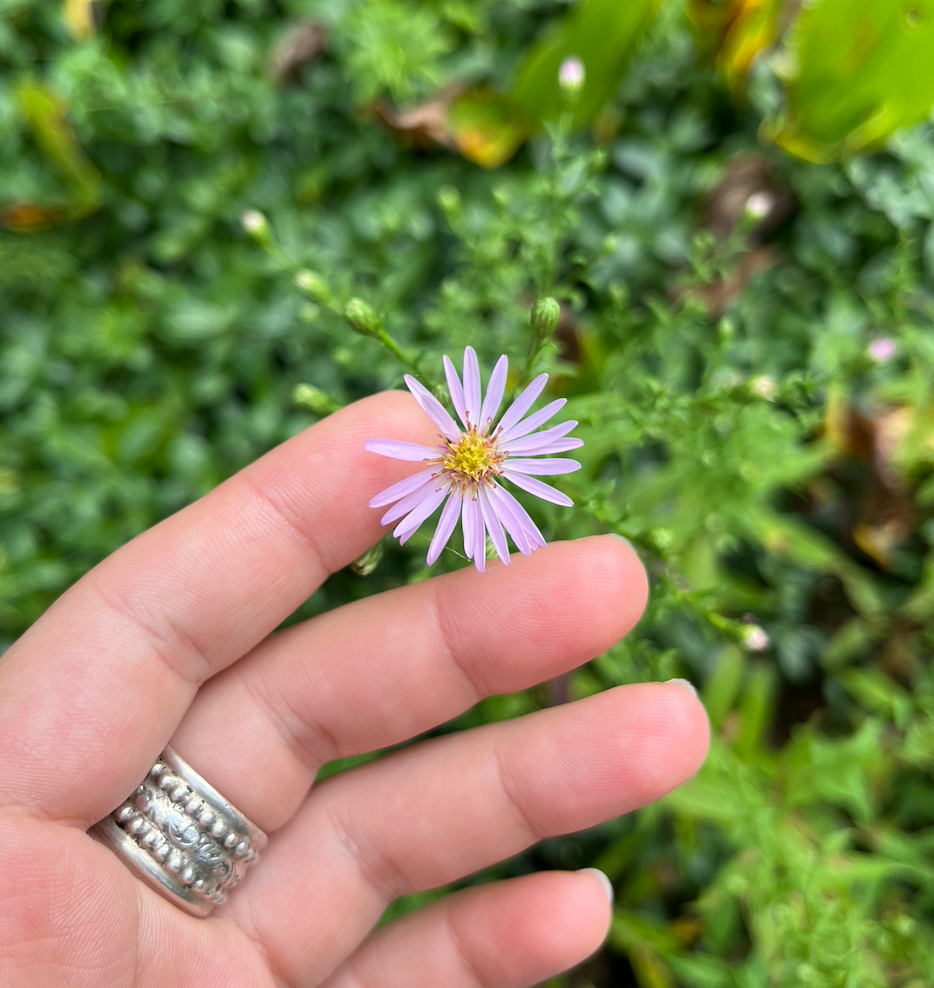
<point>472,458</point>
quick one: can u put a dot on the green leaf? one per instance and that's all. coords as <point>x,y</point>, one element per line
<point>603,34</point>
<point>857,72</point>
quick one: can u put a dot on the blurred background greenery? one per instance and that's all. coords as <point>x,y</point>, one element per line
<point>734,209</point>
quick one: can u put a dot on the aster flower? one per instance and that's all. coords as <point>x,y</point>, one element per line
<point>464,472</point>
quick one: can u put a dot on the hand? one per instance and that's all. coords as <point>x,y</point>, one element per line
<point>169,640</point>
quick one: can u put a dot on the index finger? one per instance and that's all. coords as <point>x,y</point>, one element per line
<point>92,692</point>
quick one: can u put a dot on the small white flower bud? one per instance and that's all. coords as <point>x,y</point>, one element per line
<point>760,204</point>
<point>755,638</point>
<point>571,74</point>
<point>255,224</point>
<point>763,386</point>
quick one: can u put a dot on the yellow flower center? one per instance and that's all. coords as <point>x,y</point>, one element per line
<point>472,456</point>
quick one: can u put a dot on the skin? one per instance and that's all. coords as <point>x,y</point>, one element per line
<point>171,639</point>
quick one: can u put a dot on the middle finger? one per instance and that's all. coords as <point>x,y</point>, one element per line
<point>384,669</point>
<point>429,815</point>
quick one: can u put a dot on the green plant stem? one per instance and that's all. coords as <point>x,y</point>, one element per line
<point>390,344</point>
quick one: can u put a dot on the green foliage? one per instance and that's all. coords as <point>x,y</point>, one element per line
<point>831,77</point>
<point>394,47</point>
<point>602,34</point>
<point>716,305</point>
<point>859,71</point>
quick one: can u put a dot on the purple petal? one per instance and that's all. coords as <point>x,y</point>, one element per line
<point>399,450</point>
<point>479,555</point>
<point>433,407</point>
<point>530,442</point>
<point>533,422</point>
<point>493,525</point>
<point>511,520</point>
<point>494,393</point>
<point>402,488</point>
<point>523,403</point>
<point>469,521</point>
<point>557,446</point>
<point>449,515</point>
<point>472,386</point>
<point>455,389</point>
<point>539,489</point>
<point>410,502</point>
<point>520,526</point>
<point>414,520</point>
<point>543,468</point>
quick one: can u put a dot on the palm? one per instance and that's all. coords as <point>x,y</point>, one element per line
<point>83,928</point>
<point>170,639</point>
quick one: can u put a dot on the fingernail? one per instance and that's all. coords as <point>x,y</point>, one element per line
<point>684,684</point>
<point>604,881</point>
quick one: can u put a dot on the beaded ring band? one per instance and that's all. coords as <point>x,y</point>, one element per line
<point>180,835</point>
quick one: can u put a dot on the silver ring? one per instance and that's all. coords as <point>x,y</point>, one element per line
<point>180,835</point>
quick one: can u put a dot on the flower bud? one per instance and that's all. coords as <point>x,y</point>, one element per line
<point>763,386</point>
<point>571,75</point>
<point>760,204</point>
<point>315,399</point>
<point>546,314</point>
<point>365,564</point>
<point>311,283</point>
<point>256,225</point>
<point>362,318</point>
<point>755,638</point>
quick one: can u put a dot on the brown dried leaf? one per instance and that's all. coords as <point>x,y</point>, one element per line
<point>887,515</point>
<point>304,43</point>
<point>879,542</point>
<point>479,124</point>
<point>27,217</point>
<point>890,427</point>
<point>567,336</point>
<point>425,125</point>
<point>849,432</point>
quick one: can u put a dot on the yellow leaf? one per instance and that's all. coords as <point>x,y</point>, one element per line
<point>486,128</point>
<point>753,31</point>
<point>738,31</point>
<point>79,18</point>
<point>649,969</point>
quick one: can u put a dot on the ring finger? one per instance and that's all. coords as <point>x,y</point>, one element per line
<point>437,811</point>
<point>386,668</point>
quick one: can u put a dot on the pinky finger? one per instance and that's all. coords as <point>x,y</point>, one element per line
<point>512,934</point>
